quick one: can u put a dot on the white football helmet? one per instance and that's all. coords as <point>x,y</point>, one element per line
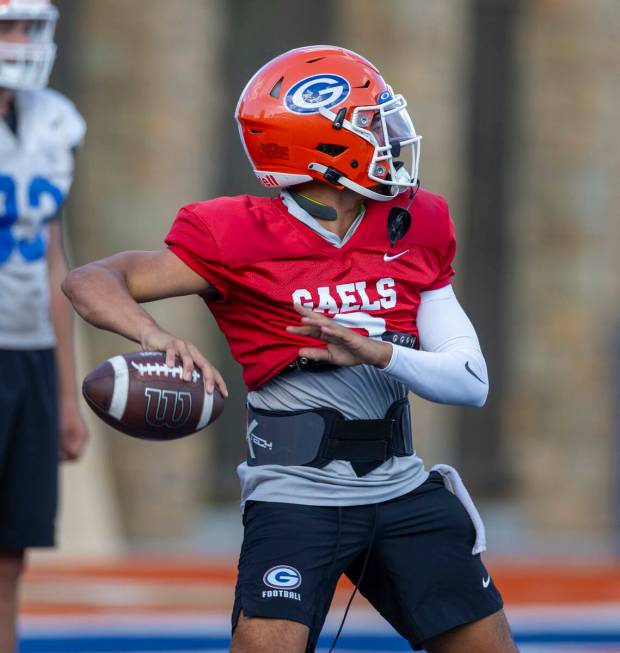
<point>27,65</point>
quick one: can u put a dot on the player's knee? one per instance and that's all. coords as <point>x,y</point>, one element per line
<point>505,641</point>
<point>11,568</point>
<point>488,635</point>
<point>257,635</point>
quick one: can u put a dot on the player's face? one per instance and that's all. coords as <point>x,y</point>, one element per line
<point>19,31</point>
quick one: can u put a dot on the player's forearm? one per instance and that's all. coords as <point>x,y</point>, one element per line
<point>456,376</point>
<point>100,295</point>
<point>451,368</point>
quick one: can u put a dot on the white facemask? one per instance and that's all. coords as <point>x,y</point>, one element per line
<point>27,66</point>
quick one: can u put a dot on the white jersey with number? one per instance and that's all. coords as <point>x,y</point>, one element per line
<point>36,171</point>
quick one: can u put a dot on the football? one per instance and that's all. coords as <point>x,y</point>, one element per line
<point>141,396</point>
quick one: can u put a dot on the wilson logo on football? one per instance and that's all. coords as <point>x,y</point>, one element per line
<point>169,408</point>
<point>316,92</point>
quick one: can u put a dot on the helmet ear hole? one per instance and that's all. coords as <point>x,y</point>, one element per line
<point>331,149</point>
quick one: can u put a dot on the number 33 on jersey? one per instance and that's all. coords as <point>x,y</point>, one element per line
<point>36,170</point>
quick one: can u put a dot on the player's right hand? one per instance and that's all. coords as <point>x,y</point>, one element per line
<point>159,340</point>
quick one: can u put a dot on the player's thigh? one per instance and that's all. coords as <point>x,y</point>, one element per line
<point>30,452</point>
<point>422,576</point>
<point>260,635</point>
<point>488,635</point>
<point>11,394</point>
<point>291,559</point>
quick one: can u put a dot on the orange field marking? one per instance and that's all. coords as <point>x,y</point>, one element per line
<point>133,586</point>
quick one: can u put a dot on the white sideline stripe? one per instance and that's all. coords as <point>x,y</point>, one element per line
<point>121,387</point>
<point>207,409</point>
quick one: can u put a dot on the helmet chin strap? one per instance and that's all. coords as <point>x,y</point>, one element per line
<point>335,177</point>
<point>314,208</point>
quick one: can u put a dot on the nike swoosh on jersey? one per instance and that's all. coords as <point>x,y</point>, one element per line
<point>486,582</point>
<point>473,373</point>
<point>388,258</point>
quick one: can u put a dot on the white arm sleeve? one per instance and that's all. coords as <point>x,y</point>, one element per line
<point>450,368</point>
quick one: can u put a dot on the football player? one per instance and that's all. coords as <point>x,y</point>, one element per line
<point>335,296</point>
<point>38,398</point>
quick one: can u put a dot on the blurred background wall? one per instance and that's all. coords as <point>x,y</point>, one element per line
<point>517,103</point>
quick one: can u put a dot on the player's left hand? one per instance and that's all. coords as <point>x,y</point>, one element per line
<point>73,433</point>
<point>344,346</point>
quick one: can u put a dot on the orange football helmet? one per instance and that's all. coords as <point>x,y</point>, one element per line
<point>325,113</point>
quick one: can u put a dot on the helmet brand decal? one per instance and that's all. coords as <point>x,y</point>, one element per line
<point>267,180</point>
<point>384,97</point>
<point>316,92</point>
<point>274,151</point>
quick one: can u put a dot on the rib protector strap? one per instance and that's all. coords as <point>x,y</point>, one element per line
<point>315,437</point>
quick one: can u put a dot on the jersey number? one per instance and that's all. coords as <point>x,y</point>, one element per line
<point>32,249</point>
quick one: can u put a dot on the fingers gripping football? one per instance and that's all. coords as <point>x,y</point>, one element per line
<point>189,355</point>
<point>210,374</point>
<point>140,395</point>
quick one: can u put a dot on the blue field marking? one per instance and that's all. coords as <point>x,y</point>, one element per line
<point>558,637</point>
<point>124,643</point>
<point>200,642</point>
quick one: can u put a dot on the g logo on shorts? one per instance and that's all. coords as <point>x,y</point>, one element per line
<point>319,91</point>
<point>282,577</point>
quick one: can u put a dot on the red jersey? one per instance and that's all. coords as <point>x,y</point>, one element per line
<point>263,260</point>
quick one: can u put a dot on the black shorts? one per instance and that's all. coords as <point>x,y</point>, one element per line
<point>421,574</point>
<point>29,450</point>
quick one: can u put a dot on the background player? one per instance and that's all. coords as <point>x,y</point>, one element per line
<point>38,133</point>
<point>339,243</point>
